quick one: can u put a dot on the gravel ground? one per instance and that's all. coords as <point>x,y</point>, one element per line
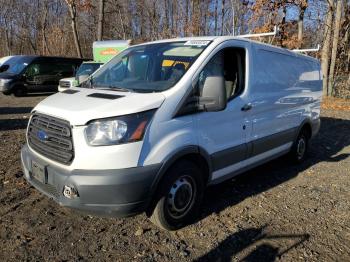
<point>275,212</point>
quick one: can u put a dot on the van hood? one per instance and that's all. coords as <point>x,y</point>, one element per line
<point>79,105</point>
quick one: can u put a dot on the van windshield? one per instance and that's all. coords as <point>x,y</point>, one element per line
<point>18,63</point>
<point>149,68</point>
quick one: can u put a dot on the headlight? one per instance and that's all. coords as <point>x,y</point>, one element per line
<point>118,130</point>
<point>5,81</point>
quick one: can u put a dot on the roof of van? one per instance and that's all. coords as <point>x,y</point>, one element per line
<point>38,56</point>
<point>219,39</point>
<point>109,43</point>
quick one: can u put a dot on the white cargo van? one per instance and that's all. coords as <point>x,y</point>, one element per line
<point>163,120</point>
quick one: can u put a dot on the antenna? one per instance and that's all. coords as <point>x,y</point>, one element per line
<point>308,50</point>
<point>274,33</point>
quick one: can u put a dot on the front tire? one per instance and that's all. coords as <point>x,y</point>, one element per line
<point>179,196</point>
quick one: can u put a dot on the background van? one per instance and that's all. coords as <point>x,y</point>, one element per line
<point>36,74</point>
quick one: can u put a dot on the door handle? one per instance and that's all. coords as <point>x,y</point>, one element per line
<point>247,107</point>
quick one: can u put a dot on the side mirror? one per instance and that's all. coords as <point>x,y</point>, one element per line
<point>82,78</point>
<point>213,95</point>
<point>4,68</point>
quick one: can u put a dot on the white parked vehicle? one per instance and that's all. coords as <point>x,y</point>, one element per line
<point>163,120</point>
<point>84,71</point>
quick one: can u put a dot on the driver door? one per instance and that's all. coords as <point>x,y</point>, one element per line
<point>223,134</point>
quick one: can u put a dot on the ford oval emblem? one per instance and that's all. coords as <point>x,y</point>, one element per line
<point>42,135</point>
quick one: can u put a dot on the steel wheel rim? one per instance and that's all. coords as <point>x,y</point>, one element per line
<point>181,197</point>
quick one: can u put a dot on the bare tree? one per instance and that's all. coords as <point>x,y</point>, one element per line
<point>326,46</point>
<point>338,14</point>
<point>72,6</point>
<point>101,6</point>
<point>303,6</point>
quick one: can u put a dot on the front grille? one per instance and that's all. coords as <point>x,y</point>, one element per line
<point>51,137</point>
<point>64,84</point>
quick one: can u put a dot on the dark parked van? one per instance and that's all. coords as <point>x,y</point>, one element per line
<point>36,74</point>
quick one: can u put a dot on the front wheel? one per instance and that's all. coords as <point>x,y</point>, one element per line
<point>179,196</point>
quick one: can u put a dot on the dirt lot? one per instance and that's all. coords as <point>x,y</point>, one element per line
<point>274,212</point>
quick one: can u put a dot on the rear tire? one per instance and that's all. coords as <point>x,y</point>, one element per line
<point>300,147</point>
<point>179,196</point>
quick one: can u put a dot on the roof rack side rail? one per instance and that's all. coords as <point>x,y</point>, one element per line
<point>308,50</point>
<point>274,33</point>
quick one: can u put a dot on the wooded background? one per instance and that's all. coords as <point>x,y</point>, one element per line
<point>69,27</point>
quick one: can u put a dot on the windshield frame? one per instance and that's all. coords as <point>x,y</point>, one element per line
<point>143,48</point>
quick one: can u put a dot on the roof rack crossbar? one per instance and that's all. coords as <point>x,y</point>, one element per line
<point>308,50</point>
<point>274,33</point>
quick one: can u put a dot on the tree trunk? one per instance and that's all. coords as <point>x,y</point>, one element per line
<point>222,17</point>
<point>101,7</point>
<point>46,48</point>
<point>122,24</point>
<point>216,17</point>
<point>301,22</point>
<point>335,45</point>
<point>283,26</point>
<point>325,48</point>
<point>233,18</point>
<point>7,40</point>
<point>73,15</point>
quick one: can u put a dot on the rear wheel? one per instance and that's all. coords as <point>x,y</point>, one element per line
<point>179,196</point>
<point>300,147</point>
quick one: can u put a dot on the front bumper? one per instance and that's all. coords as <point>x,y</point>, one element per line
<point>5,87</point>
<point>117,193</point>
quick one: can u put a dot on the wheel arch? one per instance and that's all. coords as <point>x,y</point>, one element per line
<point>305,125</point>
<point>192,153</point>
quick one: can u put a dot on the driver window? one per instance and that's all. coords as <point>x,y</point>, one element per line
<point>33,70</point>
<point>229,63</point>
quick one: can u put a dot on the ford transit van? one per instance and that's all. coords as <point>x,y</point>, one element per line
<point>163,120</point>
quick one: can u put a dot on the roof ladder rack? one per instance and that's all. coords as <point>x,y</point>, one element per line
<point>307,50</point>
<point>274,33</point>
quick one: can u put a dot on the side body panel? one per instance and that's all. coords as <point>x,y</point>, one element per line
<point>284,89</point>
<point>285,94</point>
